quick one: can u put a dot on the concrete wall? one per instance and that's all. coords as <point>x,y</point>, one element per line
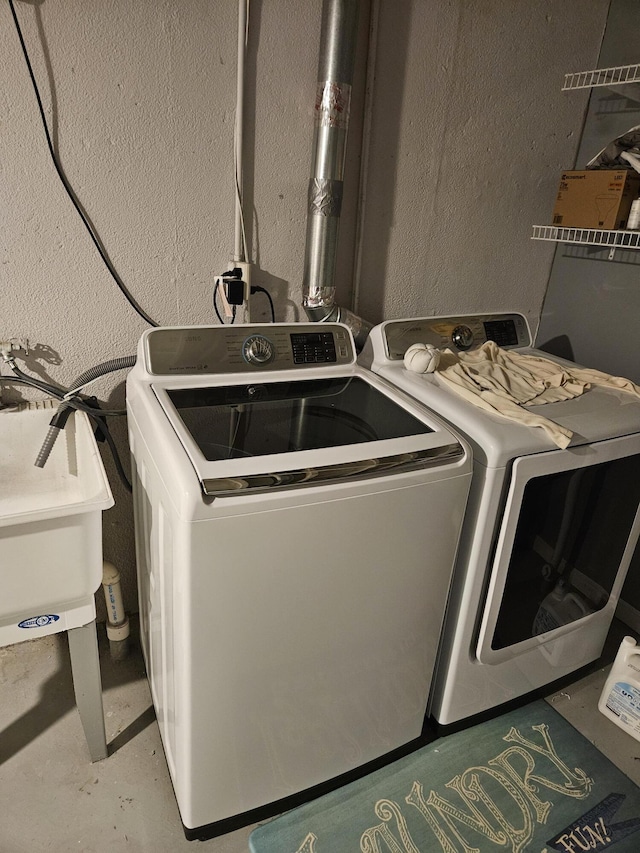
<point>459,132</point>
<point>469,133</point>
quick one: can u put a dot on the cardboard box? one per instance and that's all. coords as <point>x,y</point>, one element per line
<point>596,198</point>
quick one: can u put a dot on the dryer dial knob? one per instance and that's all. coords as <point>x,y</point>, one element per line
<point>258,350</point>
<point>462,337</point>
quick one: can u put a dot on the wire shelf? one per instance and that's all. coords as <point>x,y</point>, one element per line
<point>602,77</point>
<point>588,236</point>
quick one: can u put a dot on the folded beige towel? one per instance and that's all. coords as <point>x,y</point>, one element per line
<point>505,382</point>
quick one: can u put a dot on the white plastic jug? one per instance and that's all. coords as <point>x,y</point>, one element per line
<point>558,608</point>
<point>620,699</point>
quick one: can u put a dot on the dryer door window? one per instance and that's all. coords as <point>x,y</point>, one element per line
<point>564,547</point>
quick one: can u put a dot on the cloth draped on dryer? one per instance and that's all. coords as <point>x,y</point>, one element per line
<point>508,383</point>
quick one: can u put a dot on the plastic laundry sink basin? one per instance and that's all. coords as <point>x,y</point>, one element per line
<point>50,521</point>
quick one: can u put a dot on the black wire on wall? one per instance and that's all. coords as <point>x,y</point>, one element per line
<point>67,186</point>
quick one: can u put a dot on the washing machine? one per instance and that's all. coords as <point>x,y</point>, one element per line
<point>296,526</point>
<point>548,535</point>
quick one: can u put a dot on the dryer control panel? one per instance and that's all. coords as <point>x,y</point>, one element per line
<point>196,350</point>
<point>458,333</point>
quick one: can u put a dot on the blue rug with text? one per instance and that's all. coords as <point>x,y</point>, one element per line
<point>526,782</point>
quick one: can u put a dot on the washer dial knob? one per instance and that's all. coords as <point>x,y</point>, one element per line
<point>462,337</point>
<point>258,350</point>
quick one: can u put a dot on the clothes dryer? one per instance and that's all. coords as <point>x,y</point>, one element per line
<point>296,525</point>
<point>548,535</point>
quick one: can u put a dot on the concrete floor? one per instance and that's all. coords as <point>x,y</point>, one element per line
<point>53,799</point>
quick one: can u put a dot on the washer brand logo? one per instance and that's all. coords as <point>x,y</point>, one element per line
<point>38,621</point>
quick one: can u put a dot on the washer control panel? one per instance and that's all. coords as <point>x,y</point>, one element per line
<point>176,351</point>
<point>457,333</point>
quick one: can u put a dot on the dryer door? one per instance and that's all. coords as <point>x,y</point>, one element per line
<point>569,529</point>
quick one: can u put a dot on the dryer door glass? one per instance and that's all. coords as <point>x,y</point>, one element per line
<point>564,546</point>
<point>259,419</point>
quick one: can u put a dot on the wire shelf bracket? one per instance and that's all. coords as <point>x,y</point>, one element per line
<point>615,76</point>
<point>589,237</point>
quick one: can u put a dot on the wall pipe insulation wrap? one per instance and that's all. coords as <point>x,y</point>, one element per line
<point>333,100</point>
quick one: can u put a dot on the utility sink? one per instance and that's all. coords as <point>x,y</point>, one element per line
<point>51,546</point>
<point>50,524</point>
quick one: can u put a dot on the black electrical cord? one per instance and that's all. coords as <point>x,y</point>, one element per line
<point>258,289</point>
<point>215,306</point>
<point>23,379</point>
<point>65,183</point>
<point>104,429</point>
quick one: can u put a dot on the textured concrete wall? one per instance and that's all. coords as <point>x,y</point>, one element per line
<point>469,133</point>
<point>465,131</point>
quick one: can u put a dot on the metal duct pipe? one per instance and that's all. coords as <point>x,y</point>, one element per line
<point>333,101</point>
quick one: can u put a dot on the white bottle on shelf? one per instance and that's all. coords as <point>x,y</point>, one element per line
<point>633,222</point>
<point>620,698</point>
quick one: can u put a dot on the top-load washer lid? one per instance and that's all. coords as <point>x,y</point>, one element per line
<point>281,417</point>
<point>258,408</point>
<point>599,414</point>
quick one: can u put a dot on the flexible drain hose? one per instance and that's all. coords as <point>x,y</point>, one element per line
<point>63,411</point>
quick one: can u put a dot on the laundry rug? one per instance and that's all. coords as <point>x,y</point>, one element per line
<point>526,782</point>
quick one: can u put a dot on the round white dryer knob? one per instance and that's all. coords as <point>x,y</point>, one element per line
<point>422,358</point>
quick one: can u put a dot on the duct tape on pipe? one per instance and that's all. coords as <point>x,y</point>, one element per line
<point>333,103</point>
<point>325,197</point>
